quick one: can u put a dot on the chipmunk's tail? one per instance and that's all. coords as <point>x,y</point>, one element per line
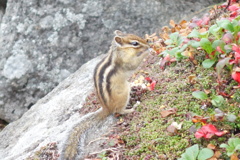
<point>71,147</point>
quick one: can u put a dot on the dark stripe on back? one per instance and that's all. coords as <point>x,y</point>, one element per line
<point>100,80</point>
<point>110,74</point>
<point>95,72</point>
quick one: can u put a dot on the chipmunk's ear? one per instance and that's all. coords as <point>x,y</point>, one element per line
<point>118,33</point>
<point>118,41</point>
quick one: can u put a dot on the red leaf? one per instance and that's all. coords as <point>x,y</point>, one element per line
<point>152,85</point>
<point>233,14</point>
<point>236,54</point>
<point>205,20</point>
<point>208,131</point>
<point>199,134</point>
<point>148,79</point>
<point>227,38</point>
<point>166,60</point>
<point>210,128</point>
<point>236,76</point>
<point>219,50</point>
<point>233,8</point>
<point>238,36</point>
<point>220,133</point>
<point>236,48</point>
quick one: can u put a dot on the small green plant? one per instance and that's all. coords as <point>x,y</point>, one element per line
<point>200,95</point>
<point>215,100</point>
<point>217,39</point>
<point>175,47</point>
<point>194,153</point>
<point>175,40</point>
<point>232,147</point>
<point>103,155</point>
<point>219,42</point>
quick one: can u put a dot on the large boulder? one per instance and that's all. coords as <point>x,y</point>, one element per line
<point>42,42</point>
<point>52,118</point>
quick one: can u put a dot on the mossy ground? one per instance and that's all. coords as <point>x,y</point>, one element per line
<point>146,136</point>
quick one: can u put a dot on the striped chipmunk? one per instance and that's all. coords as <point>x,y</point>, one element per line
<point>111,83</point>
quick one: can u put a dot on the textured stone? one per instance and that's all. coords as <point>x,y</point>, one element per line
<point>52,118</point>
<point>17,66</point>
<point>47,40</point>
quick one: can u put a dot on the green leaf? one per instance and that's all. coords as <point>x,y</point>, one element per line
<point>174,35</point>
<point>217,100</point>
<point>193,34</point>
<point>237,18</point>
<point>236,25</point>
<point>176,39</point>
<point>226,24</point>
<point>237,147</point>
<point>191,153</point>
<point>183,47</point>
<point>185,156</point>
<point>218,43</point>
<point>204,34</point>
<point>216,31</point>
<point>208,63</point>
<point>205,153</point>
<point>179,56</point>
<point>168,42</point>
<point>194,44</point>
<point>230,153</point>
<point>173,51</point>
<point>233,145</point>
<point>223,145</point>
<point>206,45</point>
<point>235,141</point>
<point>200,95</point>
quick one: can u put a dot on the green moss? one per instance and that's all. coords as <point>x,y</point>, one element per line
<point>148,135</point>
<point>236,96</point>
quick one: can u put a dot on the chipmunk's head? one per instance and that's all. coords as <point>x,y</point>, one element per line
<point>131,49</point>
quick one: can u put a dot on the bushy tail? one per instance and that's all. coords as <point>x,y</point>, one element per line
<point>71,149</point>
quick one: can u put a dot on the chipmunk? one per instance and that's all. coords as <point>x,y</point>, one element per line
<point>111,83</point>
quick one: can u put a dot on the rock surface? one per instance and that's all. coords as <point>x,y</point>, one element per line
<point>51,118</point>
<point>42,42</point>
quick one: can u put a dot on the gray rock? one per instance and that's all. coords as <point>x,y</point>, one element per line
<point>52,118</point>
<point>2,8</point>
<point>17,66</point>
<point>47,40</point>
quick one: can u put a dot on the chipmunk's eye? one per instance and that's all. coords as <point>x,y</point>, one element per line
<point>134,43</point>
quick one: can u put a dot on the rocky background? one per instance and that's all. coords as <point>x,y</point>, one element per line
<point>43,41</point>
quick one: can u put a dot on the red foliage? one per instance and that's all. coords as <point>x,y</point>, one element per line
<point>152,85</point>
<point>237,54</point>
<point>236,76</point>
<point>219,50</point>
<point>148,79</point>
<point>233,8</point>
<point>167,59</point>
<point>227,38</point>
<point>208,131</point>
